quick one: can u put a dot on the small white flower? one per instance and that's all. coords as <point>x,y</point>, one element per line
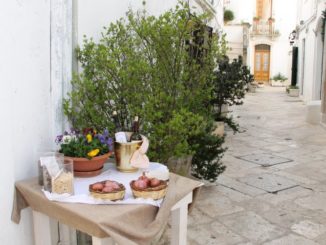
<point>66,139</point>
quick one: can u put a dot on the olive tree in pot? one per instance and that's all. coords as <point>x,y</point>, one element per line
<point>159,68</point>
<point>230,84</point>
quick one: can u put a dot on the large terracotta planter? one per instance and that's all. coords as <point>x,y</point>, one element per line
<point>84,167</point>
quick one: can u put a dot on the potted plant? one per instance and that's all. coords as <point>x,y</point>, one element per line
<point>271,20</point>
<point>294,91</point>
<point>256,19</point>
<point>207,160</point>
<point>228,15</point>
<point>88,149</point>
<point>229,87</point>
<point>278,80</point>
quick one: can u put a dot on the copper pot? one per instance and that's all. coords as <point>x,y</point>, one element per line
<point>123,153</point>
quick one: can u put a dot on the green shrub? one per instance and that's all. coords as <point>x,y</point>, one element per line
<point>229,87</point>
<point>228,15</point>
<point>159,68</point>
<point>206,162</point>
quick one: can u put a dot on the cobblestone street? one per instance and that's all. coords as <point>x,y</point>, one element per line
<point>273,191</point>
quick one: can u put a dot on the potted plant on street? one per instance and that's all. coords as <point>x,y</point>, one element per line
<point>229,87</point>
<point>278,80</point>
<point>88,149</point>
<point>256,19</point>
<point>207,160</point>
<point>271,20</point>
<point>294,91</point>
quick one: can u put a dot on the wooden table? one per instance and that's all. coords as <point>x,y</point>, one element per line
<point>43,232</point>
<point>98,220</point>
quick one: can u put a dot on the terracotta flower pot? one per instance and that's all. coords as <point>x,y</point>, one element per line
<point>88,165</point>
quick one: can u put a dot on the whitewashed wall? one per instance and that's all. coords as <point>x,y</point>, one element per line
<point>235,40</point>
<point>309,72</point>
<point>285,13</point>
<point>93,15</point>
<point>24,102</point>
<point>35,69</point>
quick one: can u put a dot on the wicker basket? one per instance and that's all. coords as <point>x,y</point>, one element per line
<point>150,192</point>
<point>112,196</point>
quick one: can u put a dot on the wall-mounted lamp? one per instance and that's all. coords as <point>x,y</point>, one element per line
<point>292,37</point>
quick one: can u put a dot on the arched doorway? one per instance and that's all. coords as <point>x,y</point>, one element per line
<point>262,63</point>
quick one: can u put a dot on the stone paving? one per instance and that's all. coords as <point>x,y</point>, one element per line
<point>273,191</point>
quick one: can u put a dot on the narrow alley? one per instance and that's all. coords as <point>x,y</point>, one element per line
<point>273,191</point>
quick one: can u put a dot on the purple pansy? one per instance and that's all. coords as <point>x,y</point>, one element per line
<point>58,139</point>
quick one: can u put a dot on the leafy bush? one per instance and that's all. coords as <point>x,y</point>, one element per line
<point>230,86</point>
<point>206,162</point>
<point>159,68</point>
<point>228,15</point>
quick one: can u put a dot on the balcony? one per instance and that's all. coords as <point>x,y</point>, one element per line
<point>264,28</point>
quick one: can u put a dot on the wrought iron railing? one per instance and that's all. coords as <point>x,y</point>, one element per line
<point>264,28</point>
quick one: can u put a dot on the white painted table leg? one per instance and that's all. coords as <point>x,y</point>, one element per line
<point>45,229</point>
<point>180,221</point>
<point>67,235</point>
<point>102,241</point>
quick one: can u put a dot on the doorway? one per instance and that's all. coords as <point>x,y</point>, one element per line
<point>262,63</point>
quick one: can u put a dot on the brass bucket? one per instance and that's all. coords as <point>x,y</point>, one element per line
<point>123,153</point>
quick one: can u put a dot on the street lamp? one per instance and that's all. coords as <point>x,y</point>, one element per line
<point>292,37</point>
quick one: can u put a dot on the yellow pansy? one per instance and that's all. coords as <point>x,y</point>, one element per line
<point>89,138</point>
<point>93,153</point>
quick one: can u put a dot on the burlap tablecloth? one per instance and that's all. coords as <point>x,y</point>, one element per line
<point>126,224</point>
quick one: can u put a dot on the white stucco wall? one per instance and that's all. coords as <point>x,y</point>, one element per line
<point>24,103</point>
<point>235,40</point>
<point>93,15</point>
<point>309,71</point>
<point>35,70</point>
